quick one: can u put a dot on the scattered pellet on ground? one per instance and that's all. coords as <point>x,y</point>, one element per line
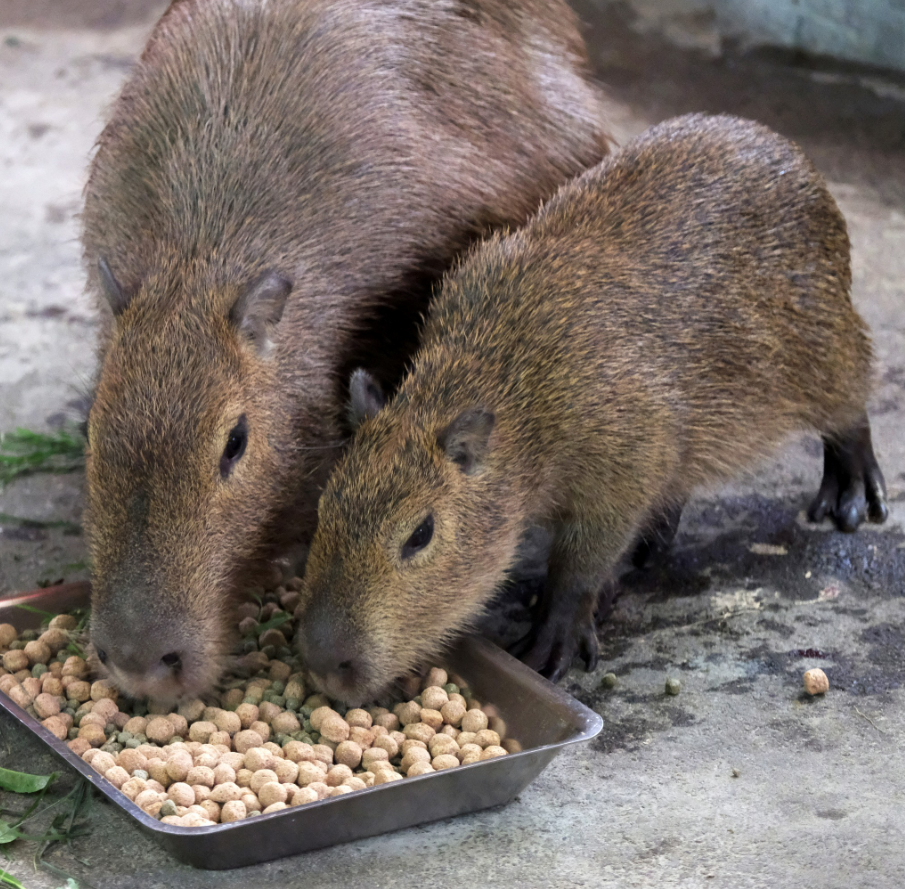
<point>816,682</point>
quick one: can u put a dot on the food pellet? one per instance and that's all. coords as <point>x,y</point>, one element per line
<point>270,744</point>
<point>673,686</point>
<point>816,682</point>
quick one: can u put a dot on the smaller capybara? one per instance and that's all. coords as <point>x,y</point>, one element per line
<point>664,322</point>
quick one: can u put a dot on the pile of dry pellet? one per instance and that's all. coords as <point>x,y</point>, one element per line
<point>269,745</point>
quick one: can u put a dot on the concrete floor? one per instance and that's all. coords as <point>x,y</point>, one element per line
<point>740,781</point>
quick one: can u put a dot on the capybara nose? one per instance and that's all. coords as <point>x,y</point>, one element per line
<point>139,657</point>
<point>328,653</point>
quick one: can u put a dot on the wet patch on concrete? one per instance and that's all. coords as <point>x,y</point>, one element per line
<point>745,555</point>
<point>634,729</point>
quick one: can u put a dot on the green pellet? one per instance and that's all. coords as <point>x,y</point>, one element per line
<point>673,686</point>
<point>168,808</point>
<point>292,704</point>
<point>451,688</point>
<point>609,680</point>
<point>132,743</point>
<point>38,670</point>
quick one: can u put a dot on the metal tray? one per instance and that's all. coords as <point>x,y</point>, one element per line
<point>541,716</point>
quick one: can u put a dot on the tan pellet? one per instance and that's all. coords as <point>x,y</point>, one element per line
<point>816,682</point>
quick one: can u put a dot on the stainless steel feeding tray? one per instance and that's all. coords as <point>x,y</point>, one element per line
<point>541,716</point>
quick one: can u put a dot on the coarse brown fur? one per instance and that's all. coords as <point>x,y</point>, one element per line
<point>340,151</point>
<point>663,323</point>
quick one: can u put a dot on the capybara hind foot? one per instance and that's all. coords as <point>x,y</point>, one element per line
<point>657,538</point>
<point>852,489</point>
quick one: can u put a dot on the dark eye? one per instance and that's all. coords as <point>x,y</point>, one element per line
<point>235,446</point>
<point>420,538</point>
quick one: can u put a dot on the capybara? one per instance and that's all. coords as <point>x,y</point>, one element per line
<point>277,187</point>
<point>664,322</point>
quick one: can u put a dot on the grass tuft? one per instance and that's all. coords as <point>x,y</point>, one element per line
<point>24,452</point>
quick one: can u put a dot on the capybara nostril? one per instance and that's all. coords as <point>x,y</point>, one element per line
<point>173,660</point>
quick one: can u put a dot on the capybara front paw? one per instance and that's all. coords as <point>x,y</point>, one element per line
<point>551,647</point>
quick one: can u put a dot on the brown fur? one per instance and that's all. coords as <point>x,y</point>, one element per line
<point>663,323</point>
<point>349,147</point>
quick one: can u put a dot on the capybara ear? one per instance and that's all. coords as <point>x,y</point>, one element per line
<point>466,439</point>
<point>111,289</point>
<point>259,308</point>
<point>366,397</point>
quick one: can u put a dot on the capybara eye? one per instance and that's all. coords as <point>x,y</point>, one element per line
<point>101,655</point>
<point>420,538</point>
<point>235,446</point>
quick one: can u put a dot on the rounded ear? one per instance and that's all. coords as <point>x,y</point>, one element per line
<point>259,309</point>
<point>366,397</point>
<point>467,439</point>
<point>113,293</point>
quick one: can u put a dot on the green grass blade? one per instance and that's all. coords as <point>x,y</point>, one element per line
<point>23,452</point>
<point>20,782</point>
<point>7,879</point>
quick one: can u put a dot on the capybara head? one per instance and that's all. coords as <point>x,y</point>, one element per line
<point>411,542</point>
<point>183,444</point>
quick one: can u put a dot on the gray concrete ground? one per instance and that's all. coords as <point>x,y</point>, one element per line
<point>740,781</point>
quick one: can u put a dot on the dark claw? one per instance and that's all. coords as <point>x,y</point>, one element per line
<point>589,649</point>
<point>559,663</point>
<point>878,512</point>
<point>818,510</point>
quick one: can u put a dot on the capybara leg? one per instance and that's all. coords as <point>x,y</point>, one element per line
<point>657,537</point>
<point>852,489</point>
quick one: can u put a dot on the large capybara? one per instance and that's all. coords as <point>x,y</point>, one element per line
<point>664,322</point>
<point>278,184</point>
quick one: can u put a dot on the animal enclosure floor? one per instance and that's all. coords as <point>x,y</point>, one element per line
<point>740,780</point>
